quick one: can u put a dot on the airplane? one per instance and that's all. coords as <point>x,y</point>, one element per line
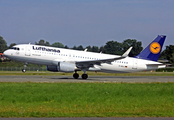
<point>67,60</point>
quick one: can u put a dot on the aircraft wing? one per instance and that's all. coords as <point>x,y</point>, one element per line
<point>91,63</point>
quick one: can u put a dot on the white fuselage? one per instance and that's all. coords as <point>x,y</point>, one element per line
<point>44,55</point>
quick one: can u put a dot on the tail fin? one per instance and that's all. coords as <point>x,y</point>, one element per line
<point>153,50</point>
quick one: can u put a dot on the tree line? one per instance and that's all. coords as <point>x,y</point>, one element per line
<point>111,47</point>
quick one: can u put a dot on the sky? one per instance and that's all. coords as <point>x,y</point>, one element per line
<point>86,22</point>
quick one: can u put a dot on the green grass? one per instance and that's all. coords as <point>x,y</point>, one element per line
<point>86,99</point>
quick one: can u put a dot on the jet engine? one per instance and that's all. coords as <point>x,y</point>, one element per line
<point>62,67</point>
<point>52,68</point>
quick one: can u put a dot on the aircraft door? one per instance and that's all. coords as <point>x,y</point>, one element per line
<point>27,50</point>
<point>135,64</point>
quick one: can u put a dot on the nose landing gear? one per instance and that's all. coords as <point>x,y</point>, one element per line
<point>24,70</point>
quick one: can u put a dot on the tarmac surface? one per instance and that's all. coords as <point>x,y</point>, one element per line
<point>127,79</point>
<point>114,79</point>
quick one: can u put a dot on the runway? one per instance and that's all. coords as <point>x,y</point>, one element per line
<point>114,79</point>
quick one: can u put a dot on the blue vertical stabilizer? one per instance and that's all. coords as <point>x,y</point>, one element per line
<point>153,50</point>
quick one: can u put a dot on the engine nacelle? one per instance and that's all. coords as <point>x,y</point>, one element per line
<point>62,67</point>
<point>52,68</point>
<point>66,67</point>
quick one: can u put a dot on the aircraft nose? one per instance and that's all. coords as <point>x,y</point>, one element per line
<point>6,53</point>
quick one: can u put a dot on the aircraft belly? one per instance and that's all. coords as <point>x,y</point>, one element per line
<point>30,59</point>
<point>41,61</point>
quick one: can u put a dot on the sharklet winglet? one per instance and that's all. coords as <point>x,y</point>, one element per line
<point>127,52</point>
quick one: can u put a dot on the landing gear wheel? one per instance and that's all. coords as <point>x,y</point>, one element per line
<point>76,75</point>
<point>25,65</point>
<point>84,76</point>
<point>23,70</point>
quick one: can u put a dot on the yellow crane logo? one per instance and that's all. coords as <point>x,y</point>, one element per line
<point>155,48</point>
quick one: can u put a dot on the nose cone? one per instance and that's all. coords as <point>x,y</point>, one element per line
<point>6,53</point>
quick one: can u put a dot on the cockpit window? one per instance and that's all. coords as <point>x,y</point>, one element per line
<point>15,48</point>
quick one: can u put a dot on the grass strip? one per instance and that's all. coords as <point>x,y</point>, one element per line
<point>86,99</point>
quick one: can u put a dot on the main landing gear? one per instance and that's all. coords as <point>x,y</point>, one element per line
<point>84,76</point>
<point>76,75</point>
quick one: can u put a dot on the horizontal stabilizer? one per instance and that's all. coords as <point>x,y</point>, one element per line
<point>153,65</point>
<point>156,65</point>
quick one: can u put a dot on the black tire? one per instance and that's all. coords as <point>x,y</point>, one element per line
<point>84,76</point>
<point>76,75</point>
<point>23,70</point>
